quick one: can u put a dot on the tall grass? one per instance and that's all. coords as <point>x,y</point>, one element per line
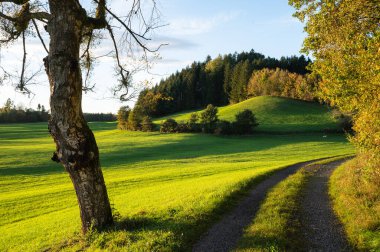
<point>356,198</point>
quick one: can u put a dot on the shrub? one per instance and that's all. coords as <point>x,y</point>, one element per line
<point>224,128</point>
<point>344,120</point>
<point>122,117</point>
<point>193,124</point>
<point>183,127</point>
<point>195,127</point>
<point>134,120</point>
<point>209,118</point>
<point>209,115</point>
<point>169,126</point>
<point>245,121</point>
<point>194,118</point>
<point>147,124</point>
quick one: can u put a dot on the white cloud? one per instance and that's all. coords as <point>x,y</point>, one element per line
<point>199,25</point>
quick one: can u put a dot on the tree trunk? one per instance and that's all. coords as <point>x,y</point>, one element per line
<point>76,147</point>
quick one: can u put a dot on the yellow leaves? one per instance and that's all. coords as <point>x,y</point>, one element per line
<point>215,64</point>
<point>344,37</point>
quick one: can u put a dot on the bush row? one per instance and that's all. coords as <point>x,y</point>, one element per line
<point>206,122</point>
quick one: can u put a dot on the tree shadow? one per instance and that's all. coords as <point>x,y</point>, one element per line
<point>186,229</point>
<point>190,146</point>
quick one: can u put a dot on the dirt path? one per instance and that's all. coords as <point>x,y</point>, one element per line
<point>224,235</point>
<point>320,227</point>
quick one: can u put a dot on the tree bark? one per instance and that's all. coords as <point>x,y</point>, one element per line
<point>76,147</point>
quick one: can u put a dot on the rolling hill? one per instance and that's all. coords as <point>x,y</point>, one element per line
<point>276,114</point>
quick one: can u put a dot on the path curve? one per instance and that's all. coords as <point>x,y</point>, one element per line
<point>225,234</point>
<point>321,229</point>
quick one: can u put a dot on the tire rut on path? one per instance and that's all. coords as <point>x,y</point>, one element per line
<point>321,229</point>
<point>225,234</point>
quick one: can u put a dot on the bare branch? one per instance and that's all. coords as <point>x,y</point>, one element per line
<point>18,2</point>
<point>14,25</point>
<point>122,70</point>
<point>22,84</point>
<point>2,15</point>
<point>39,35</point>
<point>42,16</point>
<point>86,51</point>
<point>135,35</point>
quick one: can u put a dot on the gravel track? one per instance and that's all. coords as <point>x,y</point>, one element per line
<point>225,234</point>
<point>321,229</point>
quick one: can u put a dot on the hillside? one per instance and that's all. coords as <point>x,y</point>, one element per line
<point>276,114</point>
<point>225,80</point>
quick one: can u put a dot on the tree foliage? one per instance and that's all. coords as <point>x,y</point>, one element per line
<point>244,122</point>
<point>122,117</point>
<point>147,124</point>
<point>218,81</point>
<point>209,118</point>
<point>9,113</point>
<point>344,38</point>
<point>209,115</point>
<point>283,83</point>
<point>134,120</point>
<point>169,126</point>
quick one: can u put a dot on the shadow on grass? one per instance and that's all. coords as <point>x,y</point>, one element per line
<point>199,145</point>
<point>181,230</point>
<point>188,147</point>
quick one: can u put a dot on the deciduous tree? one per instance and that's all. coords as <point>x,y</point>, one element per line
<point>72,31</point>
<point>344,38</point>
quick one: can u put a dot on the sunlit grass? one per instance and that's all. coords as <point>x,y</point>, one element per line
<point>276,114</point>
<point>168,188</point>
<point>356,200</point>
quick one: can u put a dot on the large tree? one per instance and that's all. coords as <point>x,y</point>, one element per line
<point>72,26</point>
<point>344,38</point>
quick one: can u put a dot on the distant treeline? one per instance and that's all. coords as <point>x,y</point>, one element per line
<point>222,81</point>
<point>99,117</point>
<point>9,113</point>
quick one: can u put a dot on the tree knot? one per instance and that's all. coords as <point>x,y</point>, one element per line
<point>55,157</point>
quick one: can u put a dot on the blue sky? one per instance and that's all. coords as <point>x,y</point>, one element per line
<point>195,29</point>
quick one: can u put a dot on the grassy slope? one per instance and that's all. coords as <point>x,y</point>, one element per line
<point>356,200</point>
<point>276,227</point>
<point>276,114</point>
<point>167,187</point>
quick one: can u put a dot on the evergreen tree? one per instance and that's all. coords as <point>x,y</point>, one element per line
<point>134,120</point>
<point>122,117</point>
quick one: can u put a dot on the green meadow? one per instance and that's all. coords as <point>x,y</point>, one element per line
<point>276,114</point>
<point>166,188</point>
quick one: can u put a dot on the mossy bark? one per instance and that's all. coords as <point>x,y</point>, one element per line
<point>76,147</point>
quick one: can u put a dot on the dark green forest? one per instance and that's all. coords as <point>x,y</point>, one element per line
<point>9,113</point>
<point>224,80</point>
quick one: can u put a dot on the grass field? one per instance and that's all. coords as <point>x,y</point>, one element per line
<point>276,114</point>
<point>168,188</point>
